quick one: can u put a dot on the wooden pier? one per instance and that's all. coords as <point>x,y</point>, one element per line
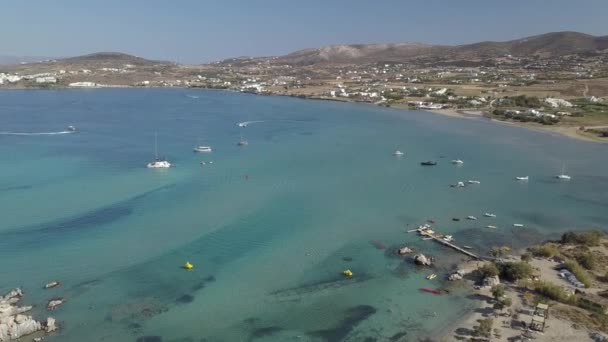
<point>453,246</point>
<point>427,236</point>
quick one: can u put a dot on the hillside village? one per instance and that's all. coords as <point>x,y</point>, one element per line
<point>546,89</point>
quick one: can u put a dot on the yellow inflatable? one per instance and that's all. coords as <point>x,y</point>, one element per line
<point>348,273</point>
<point>188,266</point>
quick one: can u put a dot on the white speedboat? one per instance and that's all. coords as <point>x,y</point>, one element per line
<point>471,218</point>
<point>563,176</point>
<point>448,238</point>
<point>473,182</point>
<point>489,215</point>
<point>491,227</point>
<point>158,163</point>
<point>457,162</point>
<point>517,225</point>
<point>71,128</point>
<point>523,178</point>
<point>202,149</point>
<point>243,142</point>
<point>460,185</point>
<point>398,153</point>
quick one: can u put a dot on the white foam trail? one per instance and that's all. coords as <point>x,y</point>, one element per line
<point>42,133</point>
<point>247,123</point>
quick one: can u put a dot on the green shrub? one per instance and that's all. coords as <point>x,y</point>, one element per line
<point>591,238</point>
<point>526,257</point>
<point>546,250</point>
<point>498,291</point>
<point>489,270</point>
<point>579,272</point>
<point>588,261</point>
<point>513,271</point>
<point>551,291</point>
<point>484,328</point>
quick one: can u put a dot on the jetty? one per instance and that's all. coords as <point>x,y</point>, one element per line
<point>428,234</point>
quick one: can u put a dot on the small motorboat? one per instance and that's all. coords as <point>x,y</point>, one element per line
<point>517,225</point>
<point>457,162</point>
<point>428,163</point>
<point>471,217</point>
<point>456,219</point>
<point>437,292</point>
<point>188,266</point>
<point>489,215</point>
<point>467,247</point>
<point>431,276</point>
<point>460,185</point>
<point>473,182</point>
<point>52,285</point>
<point>492,227</point>
<point>448,238</point>
<point>71,128</point>
<point>523,178</point>
<point>242,142</point>
<point>347,273</point>
<point>398,153</point>
<point>563,177</point>
<point>203,149</point>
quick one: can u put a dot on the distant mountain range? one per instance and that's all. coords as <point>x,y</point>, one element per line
<point>544,45</point>
<point>110,59</point>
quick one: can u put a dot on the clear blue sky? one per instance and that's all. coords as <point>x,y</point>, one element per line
<point>200,31</point>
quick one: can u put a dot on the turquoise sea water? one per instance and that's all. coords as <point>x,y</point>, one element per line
<point>270,226</point>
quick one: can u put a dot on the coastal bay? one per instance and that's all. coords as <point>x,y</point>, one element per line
<point>270,226</point>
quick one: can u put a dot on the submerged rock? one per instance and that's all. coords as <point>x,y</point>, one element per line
<point>54,303</point>
<point>404,250</point>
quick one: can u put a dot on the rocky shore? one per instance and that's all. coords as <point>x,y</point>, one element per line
<point>14,323</point>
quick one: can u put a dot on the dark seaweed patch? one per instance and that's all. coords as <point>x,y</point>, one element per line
<point>150,339</point>
<point>185,299</point>
<point>251,320</point>
<point>322,285</point>
<point>347,259</point>
<point>210,278</point>
<point>398,336</point>
<point>47,232</point>
<point>198,286</point>
<point>265,331</point>
<point>353,317</point>
<point>18,187</point>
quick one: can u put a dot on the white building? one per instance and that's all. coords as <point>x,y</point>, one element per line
<point>555,103</point>
<point>83,84</point>
<point>46,79</point>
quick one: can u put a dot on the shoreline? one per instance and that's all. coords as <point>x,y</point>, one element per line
<point>564,131</point>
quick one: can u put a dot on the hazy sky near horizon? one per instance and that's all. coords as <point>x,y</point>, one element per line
<point>193,31</point>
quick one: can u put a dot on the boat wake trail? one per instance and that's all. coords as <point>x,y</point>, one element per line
<point>247,123</point>
<point>41,133</point>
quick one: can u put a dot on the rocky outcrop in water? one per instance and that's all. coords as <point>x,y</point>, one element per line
<point>421,259</point>
<point>13,324</point>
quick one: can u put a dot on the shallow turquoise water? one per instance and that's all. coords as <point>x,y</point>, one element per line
<point>269,227</point>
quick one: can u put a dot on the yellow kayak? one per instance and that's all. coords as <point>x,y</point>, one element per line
<point>348,273</point>
<point>188,266</point>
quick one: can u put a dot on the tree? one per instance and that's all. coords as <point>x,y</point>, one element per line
<point>489,270</point>
<point>498,291</point>
<point>513,271</point>
<point>484,328</point>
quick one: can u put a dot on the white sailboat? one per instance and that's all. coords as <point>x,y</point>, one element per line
<point>157,163</point>
<point>562,175</point>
